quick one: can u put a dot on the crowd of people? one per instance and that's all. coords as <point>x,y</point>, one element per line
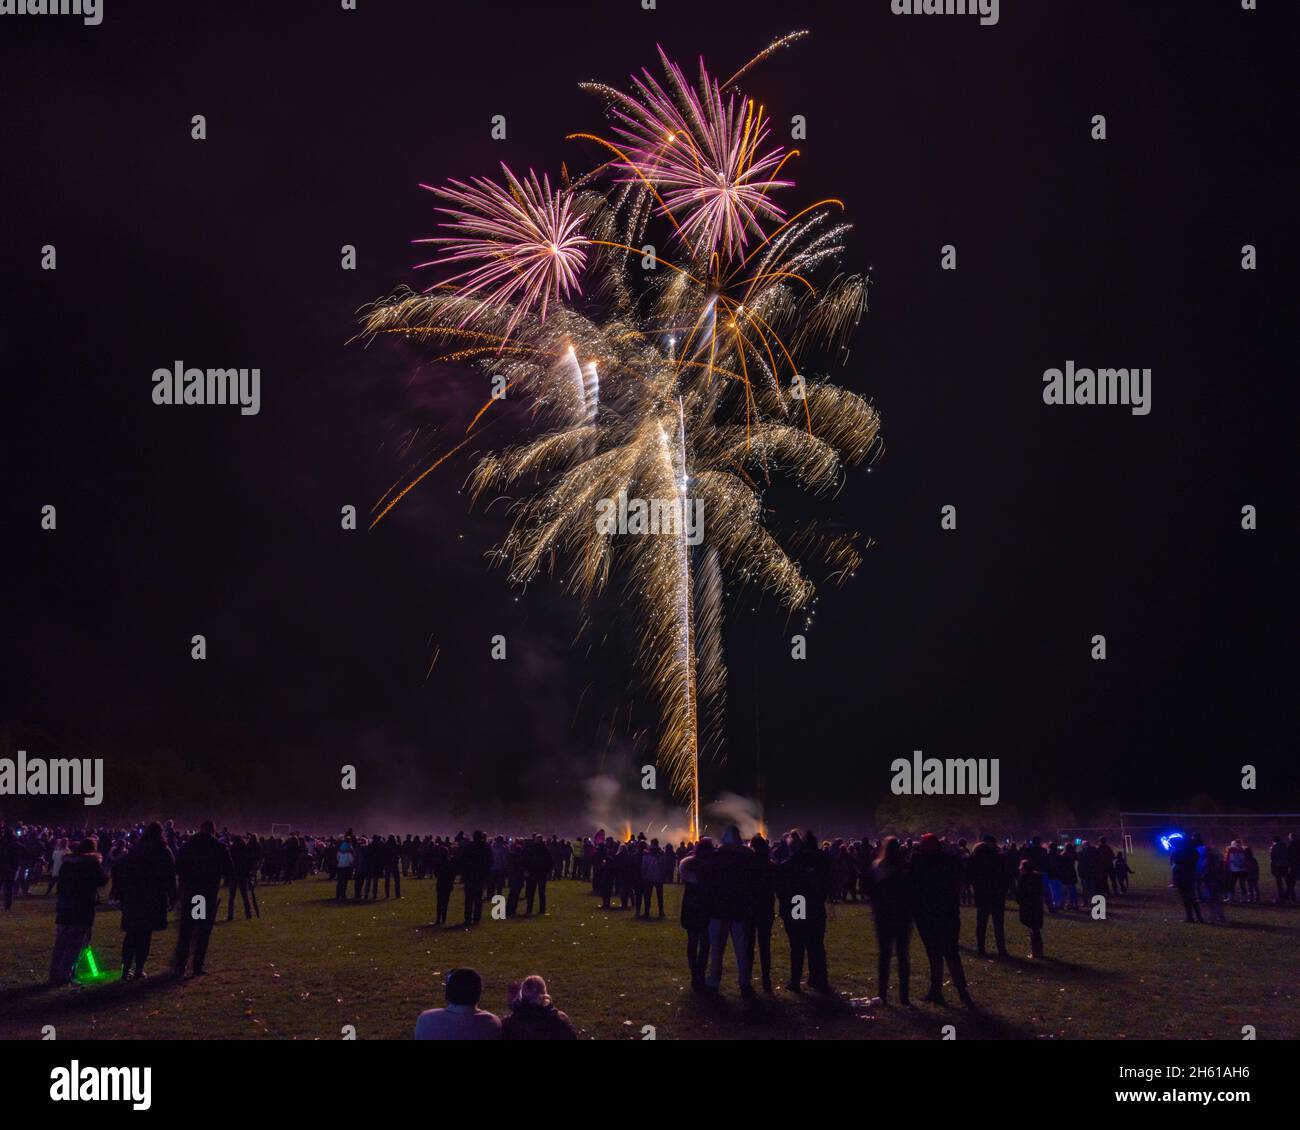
<point>733,892</point>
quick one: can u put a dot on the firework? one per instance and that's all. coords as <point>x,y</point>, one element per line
<point>700,151</point>
<point>681,381</point>
<point>524,239</point>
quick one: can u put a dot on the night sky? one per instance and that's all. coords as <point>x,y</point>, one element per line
<point>974,643</point>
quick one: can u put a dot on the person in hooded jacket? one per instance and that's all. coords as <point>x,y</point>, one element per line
<point>146,882</point>
<point>533,1015</point>
<point>80,878</point>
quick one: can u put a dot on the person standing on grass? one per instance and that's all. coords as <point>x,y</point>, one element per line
<point>1106,858</point>
<point>474,862</point>
<point>1122,871</point>
<point>201,866</point>
<point>985,874</point>
<point>393,866</point>
<point>344,861</point>
<point>10,854</point>
<point>733,879</point>
<point>1252,876</point>
<point>538,864</point>
<point>804,885</point>
<point>1277,866</point>
<point>936,883</point>
<point>146,883</point>
<point>653,866</point>
<point>80,878</point>
<point>444,877</point>
<point>1183,861</point>
<point>764,911</point>
<point>889,888</point>
<point>1029,894</point>
<point>1292,865</point>
<point>461,1019</point>
<point>497,876</point>
<point>1235,858</point>
<point>695,911</point>
<point>57,854</point>
<point>1214,875</point>
<point>241,863</point>
<point>292,853</point>
<point>514,877</point>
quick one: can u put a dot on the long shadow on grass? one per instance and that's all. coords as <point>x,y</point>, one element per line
<point>789,1015</point>
<point>1058,969</point>
<point>1261,927</point>
<point>45,1001</point>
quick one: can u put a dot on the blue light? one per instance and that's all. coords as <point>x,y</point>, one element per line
<point>1168,842</point>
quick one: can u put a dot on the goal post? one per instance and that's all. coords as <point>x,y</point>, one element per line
<point>1218,828</point>
<point>1146,829</point>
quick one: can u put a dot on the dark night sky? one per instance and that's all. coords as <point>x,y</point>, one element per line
<point>322,122</point>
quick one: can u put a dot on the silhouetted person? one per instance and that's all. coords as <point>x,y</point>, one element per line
<point>764,910</point>
<point>474,863</point>
<point>1029,894</point>
<point>393,866</point>
<point>988,880</point>
<point>803,885</point>
<point>145,879</point>
<point>732,879</point>
<point>462,1019</point>
<point>1277,866</point>
<point>1292,864</point>
<point>241,869</point>
<point>1106,860</point>
<point>695,912</point>
<point>538,863</point>
<point>889,886</point>
<point>654,865</point>
<point>80,877</point>
<point>292,851</point>
<point>514,877</point>
<point>533,1015</point>
<point>444,875</point>
<point>201,865</point>
<point>10,855</point>
<point>345,860</point>
<point>1183,860</point>
<point>936,887</point>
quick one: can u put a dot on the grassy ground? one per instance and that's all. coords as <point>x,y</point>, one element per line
<point>309,967</point>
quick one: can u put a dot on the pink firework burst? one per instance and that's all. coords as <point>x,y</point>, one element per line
<point>524,239</point>
<point>700,151</point>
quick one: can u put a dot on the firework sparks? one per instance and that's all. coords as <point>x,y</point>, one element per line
<point>701,151</point>
<point>525,240</point>
<point>682,383</point>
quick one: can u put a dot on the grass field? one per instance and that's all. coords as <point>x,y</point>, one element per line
<point>310,966</point>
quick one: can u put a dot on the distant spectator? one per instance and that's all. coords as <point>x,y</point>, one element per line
<point>1029,894</point>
